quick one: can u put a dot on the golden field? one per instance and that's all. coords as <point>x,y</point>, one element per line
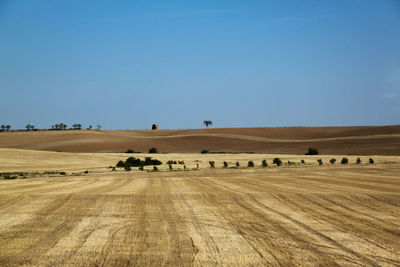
<point>281,216</point>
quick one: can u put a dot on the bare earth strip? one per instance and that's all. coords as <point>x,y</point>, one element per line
<point>308,215</point>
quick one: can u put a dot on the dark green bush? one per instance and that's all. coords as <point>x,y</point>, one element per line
<point>332,161</point>
<point>344,161</point>
<point>302,161</point>
<point>134,162</point>
<point>62,173</point>
<point>171,162</point>
<point>358,161</point>
<point>153,150</point>
<point>312,151</point>
<point>225,164</point>
<point>237,164</point>
<point>181,162</point>
<point>130,151</point>
<point>320,161</point>
<point>264,163</point>
<point>170,166</point>
<point>277,161</point>
<point>120,164</point>
<point>250,164</point>
<point>86,172</point>
<point>371,161</point>
<point>155,168</point>
<point>212,164</point>
<point>204,151</point>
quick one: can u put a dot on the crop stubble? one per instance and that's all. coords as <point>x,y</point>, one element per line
<point>288,216</point>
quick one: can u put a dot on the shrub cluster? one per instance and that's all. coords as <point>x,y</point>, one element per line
<point>344,161</point>
<point>371,161</point>
<point>135,162</point>
<point>250,163</point>
<point>332,161</point>
<point>204,151</point>
<point>277,161</point>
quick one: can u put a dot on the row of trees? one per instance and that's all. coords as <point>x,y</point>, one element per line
<point>5,127</point>
<point>58,126</point>
<point>76,126</point>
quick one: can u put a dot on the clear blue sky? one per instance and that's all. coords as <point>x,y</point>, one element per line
<point>128,64</point>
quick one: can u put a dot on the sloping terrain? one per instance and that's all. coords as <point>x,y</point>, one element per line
<point>369,140</point>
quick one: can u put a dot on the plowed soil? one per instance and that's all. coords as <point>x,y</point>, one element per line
<point>372,140</point>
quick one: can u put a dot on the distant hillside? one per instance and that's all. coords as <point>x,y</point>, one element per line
<point>376,140</point>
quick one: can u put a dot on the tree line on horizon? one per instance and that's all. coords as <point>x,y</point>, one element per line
<point>55,127</point>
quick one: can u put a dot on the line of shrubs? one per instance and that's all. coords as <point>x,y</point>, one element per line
<point>278,162</point>
<point>345,161</point>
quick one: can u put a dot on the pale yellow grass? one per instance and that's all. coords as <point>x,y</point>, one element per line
<point>19,160</point>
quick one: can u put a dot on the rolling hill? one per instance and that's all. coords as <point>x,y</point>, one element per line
<point>363,140</point>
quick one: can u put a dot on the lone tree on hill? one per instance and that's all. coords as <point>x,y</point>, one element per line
<point>207,123</point>
<point>8,127</point>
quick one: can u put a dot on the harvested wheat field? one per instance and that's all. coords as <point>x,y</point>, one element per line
<point>282,216</point>
<point>363,140</point>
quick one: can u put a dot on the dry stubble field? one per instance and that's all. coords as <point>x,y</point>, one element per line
<point>301,215</point>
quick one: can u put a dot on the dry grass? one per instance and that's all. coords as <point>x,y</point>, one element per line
<point>302,215</point>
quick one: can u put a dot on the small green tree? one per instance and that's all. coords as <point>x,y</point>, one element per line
<point>212,164</point>
<point>207,123</point>
<point>237,164</point>
<point>264,163</point>
<point>277,161</point>
<point>320,161</point>
<point>371,161</point>
<point>344,161</point>
<point>153,150</point>
<point>332,161</point>
<point>250,164</point>
<point>225,164</point>
<point>358,161</point>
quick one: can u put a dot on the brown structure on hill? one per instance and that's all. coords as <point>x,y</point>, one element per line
<point>154,127</point>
